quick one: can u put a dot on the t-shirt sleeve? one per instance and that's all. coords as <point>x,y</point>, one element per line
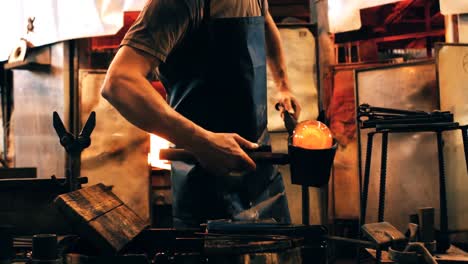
<point>158,28</point>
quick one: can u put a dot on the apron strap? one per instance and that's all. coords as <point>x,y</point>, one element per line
<point>207,10</point>
<point>261,4</point>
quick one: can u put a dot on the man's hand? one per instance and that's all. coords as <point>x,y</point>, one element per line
<point>222,154</point>
<point>290,103</point>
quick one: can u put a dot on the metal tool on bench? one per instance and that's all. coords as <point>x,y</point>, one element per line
<point>255,212</point>
<point>399,248</point>
<point>74,145</point>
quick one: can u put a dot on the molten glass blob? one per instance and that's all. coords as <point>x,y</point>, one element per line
<point>312,134</point>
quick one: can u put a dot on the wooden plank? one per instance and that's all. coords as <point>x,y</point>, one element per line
<point>101,218</point>
<point>125,224</point>
<point>91,202</point>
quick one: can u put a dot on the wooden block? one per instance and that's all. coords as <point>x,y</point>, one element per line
<point>100,217</point>
<point>382,233</point>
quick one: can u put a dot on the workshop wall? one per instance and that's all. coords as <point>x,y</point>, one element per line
<point>452,67</point>
<point>38,93</point>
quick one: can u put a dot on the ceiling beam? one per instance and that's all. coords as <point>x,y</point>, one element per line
<point>399,11</point>
<point>433,33</point>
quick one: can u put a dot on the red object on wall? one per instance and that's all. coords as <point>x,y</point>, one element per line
<point>113,41</point>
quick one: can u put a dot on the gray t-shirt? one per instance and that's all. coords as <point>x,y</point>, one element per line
<point>163,24</point>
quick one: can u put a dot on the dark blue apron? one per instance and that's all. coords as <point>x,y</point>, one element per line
<point>217,79</point>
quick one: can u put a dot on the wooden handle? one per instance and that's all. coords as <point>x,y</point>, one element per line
<point>186,156</point>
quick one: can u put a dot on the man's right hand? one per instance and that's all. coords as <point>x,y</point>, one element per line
<point>223,154</point>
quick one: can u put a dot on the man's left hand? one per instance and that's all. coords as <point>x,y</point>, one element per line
<point>290,103</point>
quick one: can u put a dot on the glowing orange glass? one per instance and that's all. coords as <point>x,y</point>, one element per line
<point>312,134</point>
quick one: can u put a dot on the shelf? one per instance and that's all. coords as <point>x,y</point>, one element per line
<point>37,59</point>
<point>26,65</point>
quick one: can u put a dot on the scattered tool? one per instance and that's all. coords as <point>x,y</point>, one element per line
<point>255,212</point>
<point>411,254</point>
<point>385,235</point>
<point>399,249</point>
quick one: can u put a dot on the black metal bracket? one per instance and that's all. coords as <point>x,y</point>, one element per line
<point>74,145</point>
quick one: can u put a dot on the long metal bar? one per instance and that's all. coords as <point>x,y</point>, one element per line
<point>383,177</point>
<point>354,242</point>
<point>305,205</point>
<point>365,188</point>
<point>464,130</point>
<point>186,156</point>
<point>383,180</point>
<point>443,242</point>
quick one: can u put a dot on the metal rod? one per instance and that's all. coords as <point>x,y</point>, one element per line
<point>378,256</point>
<point>305,205</point>
<point>365,188</point>
<point>356,242</point>
<point>367,108</point>
<point>443,242</point>
<point>74,167</point>
<point>383,180</point>
<point>186,156</point>
<point>383,177</point>
<point>464,130</point>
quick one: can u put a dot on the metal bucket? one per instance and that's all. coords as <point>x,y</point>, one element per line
<point>311,167</point>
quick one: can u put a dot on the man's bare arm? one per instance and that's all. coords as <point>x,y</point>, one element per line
<point>128,90</point>
<point>277,65</point>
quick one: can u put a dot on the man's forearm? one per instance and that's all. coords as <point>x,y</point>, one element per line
<point>275,57</point>
<point>140,104</point>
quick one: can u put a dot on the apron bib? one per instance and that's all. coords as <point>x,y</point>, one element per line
<point>217,79</point>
